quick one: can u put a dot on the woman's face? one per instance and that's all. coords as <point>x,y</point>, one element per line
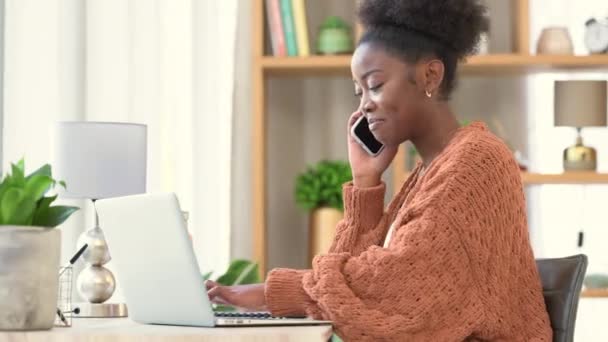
<point>390,97</point>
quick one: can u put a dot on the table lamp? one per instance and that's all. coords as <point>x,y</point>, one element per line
<point>99,160</point>
<point>580,104</point>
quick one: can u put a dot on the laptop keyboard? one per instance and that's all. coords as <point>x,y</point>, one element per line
<point>256,315</point>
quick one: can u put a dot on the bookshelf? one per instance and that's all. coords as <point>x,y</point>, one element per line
<point>266,67</point>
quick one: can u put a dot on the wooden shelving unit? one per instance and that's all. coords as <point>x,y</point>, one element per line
<point>487,64</point>
<point>265,67</point>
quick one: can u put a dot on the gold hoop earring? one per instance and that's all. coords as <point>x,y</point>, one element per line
<point>428,94</point>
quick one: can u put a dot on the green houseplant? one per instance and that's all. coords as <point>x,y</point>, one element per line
<point>29,280</point>
<point>334,37</point>
<point>318,190</point>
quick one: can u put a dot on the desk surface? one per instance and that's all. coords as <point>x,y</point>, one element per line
<point>123,330</point>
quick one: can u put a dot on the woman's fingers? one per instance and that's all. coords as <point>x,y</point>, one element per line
<point>217,295</point>
<point>351,121</point>
<point>209,284</point>
<point>353,118</point>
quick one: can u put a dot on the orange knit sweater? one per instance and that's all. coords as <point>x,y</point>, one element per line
<point>459,265</point>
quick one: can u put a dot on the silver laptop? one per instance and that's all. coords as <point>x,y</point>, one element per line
<point>156,267</point>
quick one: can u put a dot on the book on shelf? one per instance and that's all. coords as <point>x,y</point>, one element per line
<point>275,27</point>
<point>288,27</point>
<point>299,15</point>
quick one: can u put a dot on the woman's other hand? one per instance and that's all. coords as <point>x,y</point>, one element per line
<point>367,169</point>
<point>248,297</point>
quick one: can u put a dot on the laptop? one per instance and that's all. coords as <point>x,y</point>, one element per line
<point>157,269</point>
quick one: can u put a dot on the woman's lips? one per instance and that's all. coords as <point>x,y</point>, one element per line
<point>374,124</point>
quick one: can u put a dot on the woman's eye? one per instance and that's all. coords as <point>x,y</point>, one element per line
<point>375,88</point>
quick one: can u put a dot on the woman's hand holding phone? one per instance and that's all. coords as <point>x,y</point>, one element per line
<point>367,169</point>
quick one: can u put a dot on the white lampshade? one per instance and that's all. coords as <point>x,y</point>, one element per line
<point>99,159</point>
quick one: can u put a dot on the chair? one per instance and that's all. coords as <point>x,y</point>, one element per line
<point>562,279</point>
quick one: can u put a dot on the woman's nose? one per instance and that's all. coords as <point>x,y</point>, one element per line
<point>368,106</point>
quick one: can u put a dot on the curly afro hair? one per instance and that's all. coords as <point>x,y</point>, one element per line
<point>414,29</point>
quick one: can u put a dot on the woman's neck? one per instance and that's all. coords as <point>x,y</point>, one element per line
<point>436,132</point>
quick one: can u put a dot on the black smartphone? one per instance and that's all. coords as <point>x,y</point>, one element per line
<point>360,131</point>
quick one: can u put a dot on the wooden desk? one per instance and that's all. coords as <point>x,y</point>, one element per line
<point>125,330</point>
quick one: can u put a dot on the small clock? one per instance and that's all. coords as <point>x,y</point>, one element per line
<point>596,36</point>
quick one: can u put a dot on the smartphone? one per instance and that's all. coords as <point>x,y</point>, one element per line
<point>361,133</point>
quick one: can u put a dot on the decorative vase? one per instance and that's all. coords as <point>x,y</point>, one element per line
<point>484,44</point>
<point>29,266</point>
<point>555,41</point>
<point>323,222</point>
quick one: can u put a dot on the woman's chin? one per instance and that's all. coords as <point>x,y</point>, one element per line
<point>383,139</point>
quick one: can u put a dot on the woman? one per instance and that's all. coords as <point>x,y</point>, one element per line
<point>450,258</point>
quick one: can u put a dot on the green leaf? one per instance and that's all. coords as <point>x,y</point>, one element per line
<point>22,200</point>
<point>17,177</point>
<point>37,186</point>
<point>54,216</point>
<point>240,272</point>
<point>9,203</point>
<point>20,165</point>
<point>45,170</point>
<point>3,188</point>
<point>223,308</point>
<point>207,275</point>
<point>321,184</point>
<point>16,208</point>
<point>41,210</point>
<point>62,183</point>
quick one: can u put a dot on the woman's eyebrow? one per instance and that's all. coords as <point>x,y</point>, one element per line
<point>369,72</point>
<point>366,75</point>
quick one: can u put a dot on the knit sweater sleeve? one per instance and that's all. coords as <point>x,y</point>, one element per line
<point>362,225</point>
<point>407,291</point>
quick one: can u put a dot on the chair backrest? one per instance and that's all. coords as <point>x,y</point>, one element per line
<point>562,279</point>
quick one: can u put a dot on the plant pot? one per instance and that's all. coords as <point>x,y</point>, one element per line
<point>334,41</point>
<point>29,265</point>
<point>322,227</point>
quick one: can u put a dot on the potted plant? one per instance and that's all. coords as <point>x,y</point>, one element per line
<point>334,37</point>
<point>318,190</point>
<point>29,249</point>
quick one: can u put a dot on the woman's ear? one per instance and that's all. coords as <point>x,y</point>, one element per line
<point>433,76</point>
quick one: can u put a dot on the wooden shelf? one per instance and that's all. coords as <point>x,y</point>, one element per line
<point>487,64</point>
<point>565,178</point>
<point>490,64</point>
<point>594,293</point>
